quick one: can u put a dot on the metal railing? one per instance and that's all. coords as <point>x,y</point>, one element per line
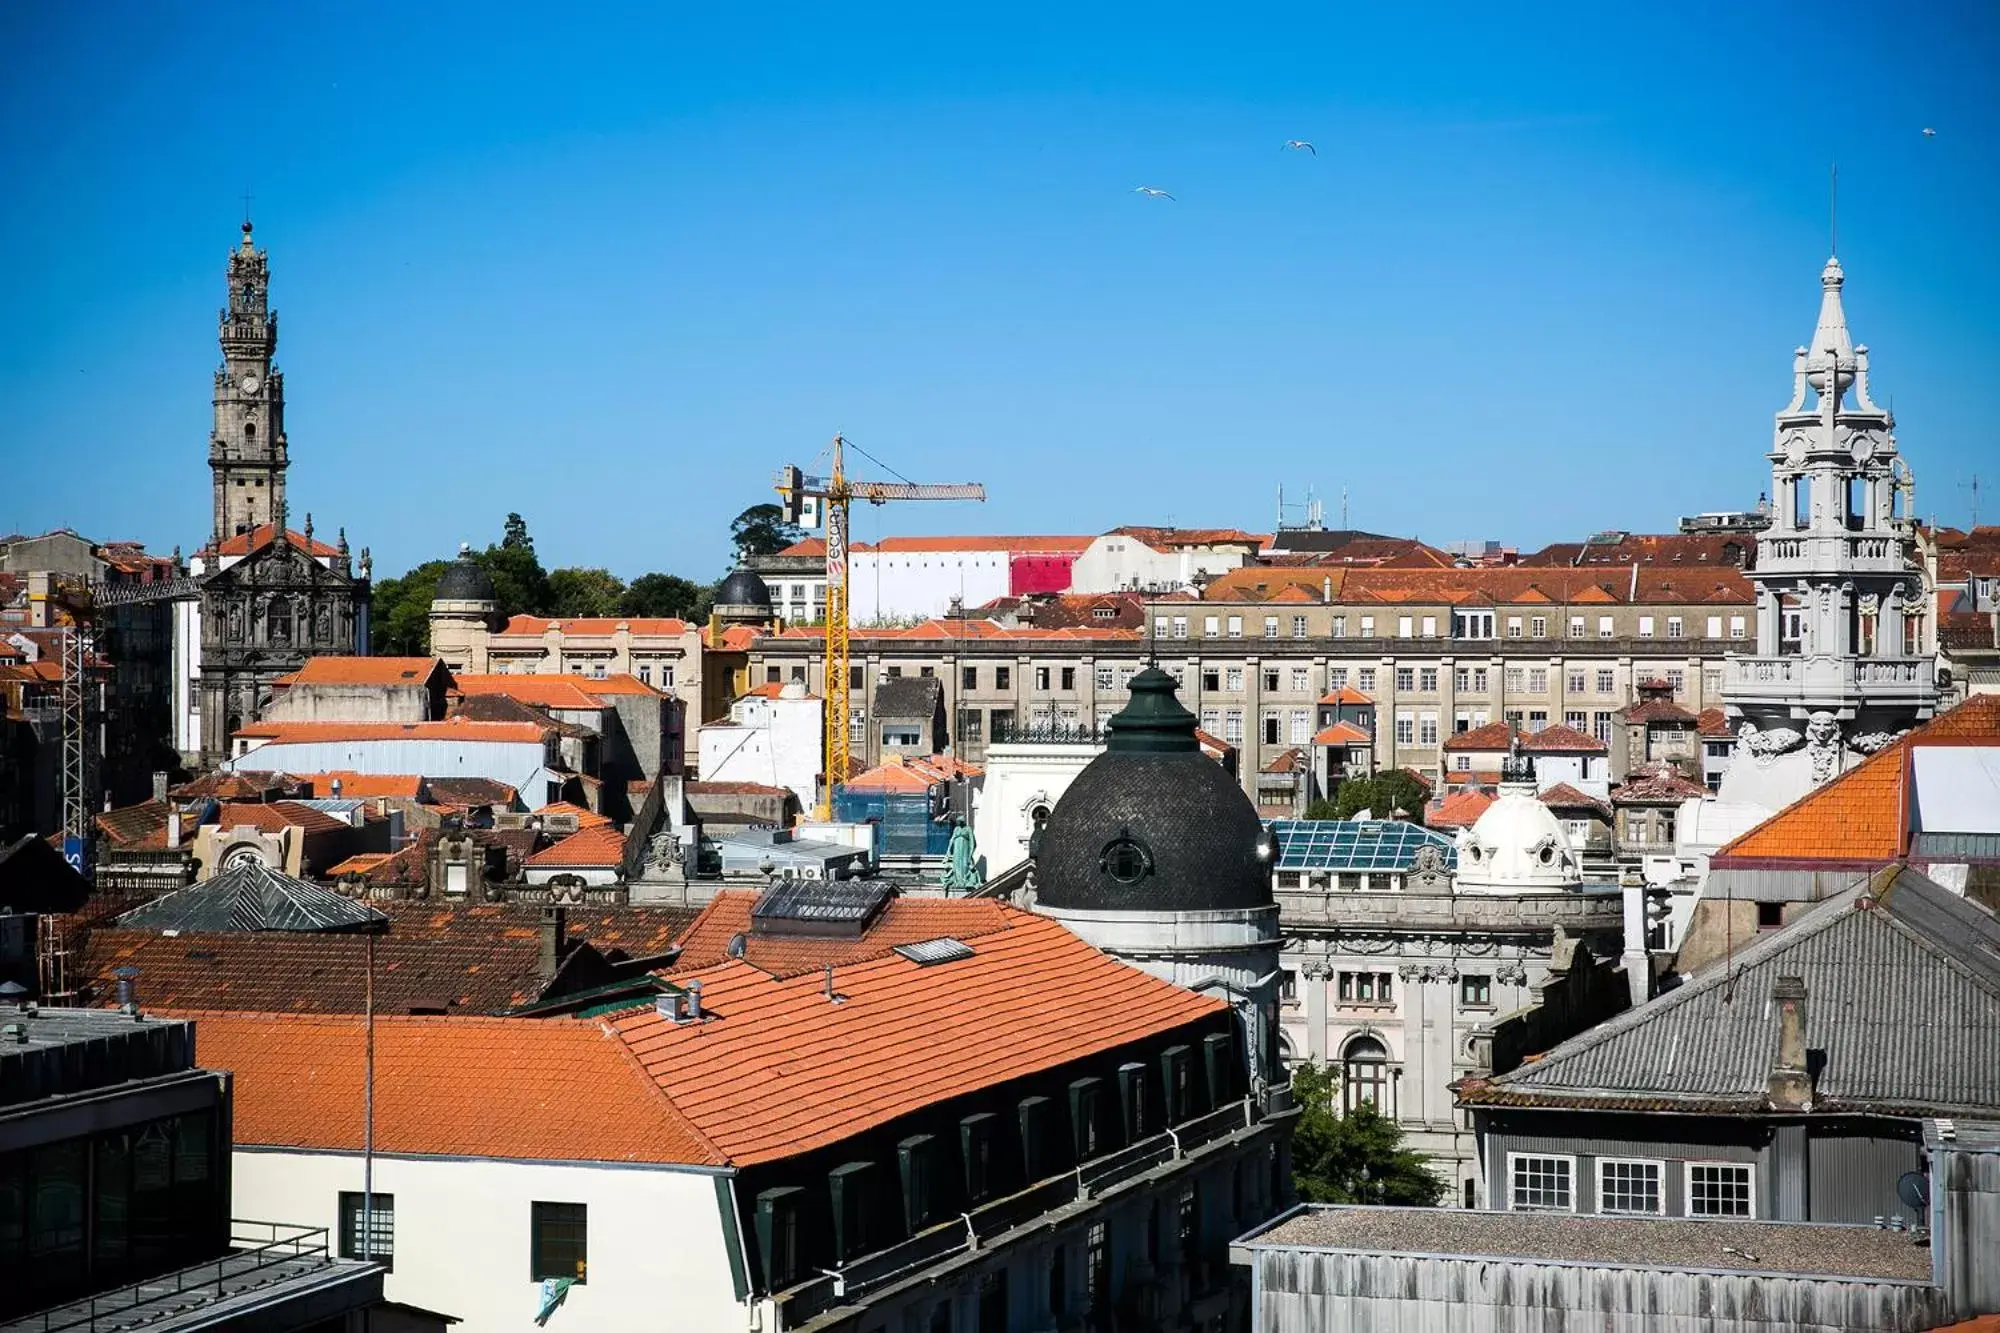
<point>254,1247</point>
<point>975,1229</point>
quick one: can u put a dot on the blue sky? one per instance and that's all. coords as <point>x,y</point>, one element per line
<point>612,265</point>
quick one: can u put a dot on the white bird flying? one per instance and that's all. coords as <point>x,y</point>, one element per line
<point>1929,133</point>
<point>1150,192</point>
<point>1300,145</point>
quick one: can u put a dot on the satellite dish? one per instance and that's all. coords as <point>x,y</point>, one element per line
<point>1914,1189</point>
<point>735,947</point>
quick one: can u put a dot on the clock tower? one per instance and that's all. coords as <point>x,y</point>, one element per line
<point>246,450</point>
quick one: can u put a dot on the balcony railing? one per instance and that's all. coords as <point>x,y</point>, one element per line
<point>259,1254</point>
<point>978,1228</point>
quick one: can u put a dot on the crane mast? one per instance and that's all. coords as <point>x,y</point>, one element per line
<point>837,492</point>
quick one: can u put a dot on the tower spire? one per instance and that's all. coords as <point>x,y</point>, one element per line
<point>1831,343</point>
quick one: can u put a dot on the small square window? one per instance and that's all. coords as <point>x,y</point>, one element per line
<point>1546,1184</point>
<point>379,1233</point>
<point>1630,1186</point>
<point>558,1241</point>
<point>1475,992</point>
<point>1719,1189</point>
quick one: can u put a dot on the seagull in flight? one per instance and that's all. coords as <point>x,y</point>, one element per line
<point>1929,133</point>
<point>1150,192</point>
<point>1300,145</point>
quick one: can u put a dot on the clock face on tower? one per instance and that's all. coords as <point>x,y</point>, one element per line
<point>250,384</point>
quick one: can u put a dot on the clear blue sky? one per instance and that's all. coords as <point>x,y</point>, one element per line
<point>611,265</point>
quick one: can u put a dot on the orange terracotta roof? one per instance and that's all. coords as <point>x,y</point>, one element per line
<point>225,785</point>
<point>583,815</point>
<point>1460,809</point>
<point>355,786</point>
<point>615,682</point>
<point>1556,738</point>
<point>904,920</point>
<point>1862,816</point>
<point>359,864</point>
<point>552,1089</point>
<point>450,729</point>
<point>243,543</point>
<point>541,691</point>
<point>1713,722</point>
<point>275,816</point>
<point>596,846</point>
<point>592,626</point>
<point>1562,796</point>
<point>737,639</point>
<point>1342,733</point>
<point>1346,694</point>
<point>1492,736</point>
<point>366,671</point>
<point>141,827</point>
<point>779,1071</point>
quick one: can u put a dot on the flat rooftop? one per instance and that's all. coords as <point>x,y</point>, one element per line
<point>69,1027</point>
<point>40,1055</point>
<point>1797,1249</point>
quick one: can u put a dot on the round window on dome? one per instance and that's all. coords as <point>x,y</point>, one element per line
<point>1126,859</point>
<point>1547,854</point>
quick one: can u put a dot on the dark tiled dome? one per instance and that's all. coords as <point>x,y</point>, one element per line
<point>463,581</point>
<point>1153,824</point>
<point>743,589</point>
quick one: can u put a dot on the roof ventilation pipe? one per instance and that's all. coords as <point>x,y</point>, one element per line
<point>694,1001</point>
<point>128,991</point>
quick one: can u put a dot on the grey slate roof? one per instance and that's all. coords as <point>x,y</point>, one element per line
<point>908,696</point>
<point>250,896</point>
<point>1902,981</point>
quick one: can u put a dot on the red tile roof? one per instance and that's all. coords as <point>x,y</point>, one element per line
<point>1562,796</point>
<point>1559,739</point>
<point>780,1071</point>
<point>243,543</point>
<point>276,816</point>
<point>596,846</point>
<point>367,671</point>
<point>354,786</point>
<point>359,864</point>
<point>1656,710</point>
<point>1460,809</point>
<point>225,785</point>
<point>1655,784</point>
<point>141,827</point>
<point>551,1089</point>
<point>616,682</point>
<point>904,920</point>
<point>1714,723</point>
<point>1493,736</point>
<point>1341,733</point>
<point>542,691</point>
<point>1862,816</point>
<point>593,626</point>
<point>450,729</point>
<point>1346,694</point>
<point>583,815</point>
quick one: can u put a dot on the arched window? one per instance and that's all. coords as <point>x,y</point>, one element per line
<point>278,622</point>
<point>1365,1076</point>
<point>249,430</point>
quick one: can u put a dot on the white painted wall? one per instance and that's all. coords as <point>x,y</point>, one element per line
<point>657,1258</point>
<point>1114,562</point>
<point>187,670</point>
<point>773,741</point>
<point>519,764</point>
<point>918,584</point>
<point>1019,777</point>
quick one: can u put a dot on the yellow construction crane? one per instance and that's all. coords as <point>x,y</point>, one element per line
<point>836,492</point>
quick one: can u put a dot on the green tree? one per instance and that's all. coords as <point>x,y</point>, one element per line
<point>1322,809</point>
<point>585,592</point>
<point>762,530</point>
<point>514,535</point>
<point>1382,794</point>
<point>1354,1158</point>
<point>399,621</point>
<point>667,595</point>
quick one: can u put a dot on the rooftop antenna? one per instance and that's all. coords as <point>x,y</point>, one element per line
<point>1973,486</point>
<point>1343,507</point>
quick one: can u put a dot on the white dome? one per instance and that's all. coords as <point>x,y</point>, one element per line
<point>1517,846</point>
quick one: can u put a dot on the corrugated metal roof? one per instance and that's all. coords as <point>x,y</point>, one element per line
<point>1902,982</point>
<point>251,896</point>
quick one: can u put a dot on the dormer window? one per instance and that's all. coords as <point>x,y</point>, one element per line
<point>1126,859</point>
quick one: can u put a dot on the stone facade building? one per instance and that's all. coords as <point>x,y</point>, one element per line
<point>267,597</point>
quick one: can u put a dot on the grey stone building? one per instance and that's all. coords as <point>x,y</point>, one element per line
<point>268,597</point>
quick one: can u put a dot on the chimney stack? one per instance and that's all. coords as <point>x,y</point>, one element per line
<point>1790,1086</point>
<point>128,990</point>
<point>173,826</point>
<point>555,940</point>
<point>693,989</point>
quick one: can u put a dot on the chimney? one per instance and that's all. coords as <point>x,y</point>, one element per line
<point>693,989</point>
<point>173,826</point>
<point>128,990</point>
<point>555,940</point>
<point>1790,1086</point>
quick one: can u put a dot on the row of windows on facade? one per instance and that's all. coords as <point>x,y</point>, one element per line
<point>1296,679</point>
<point>1546,1182</point>
<point>558,1235</point>
<point>1378,989</point>
<point>1464,625</point>
<point>598,670</point>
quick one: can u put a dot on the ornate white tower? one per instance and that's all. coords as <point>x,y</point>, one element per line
<point>1842,628</point>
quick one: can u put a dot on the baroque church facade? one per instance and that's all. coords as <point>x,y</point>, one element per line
<point>268,596</point>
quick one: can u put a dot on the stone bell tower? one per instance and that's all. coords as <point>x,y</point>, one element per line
<point>1843,661</point>
<point>246,450</point>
